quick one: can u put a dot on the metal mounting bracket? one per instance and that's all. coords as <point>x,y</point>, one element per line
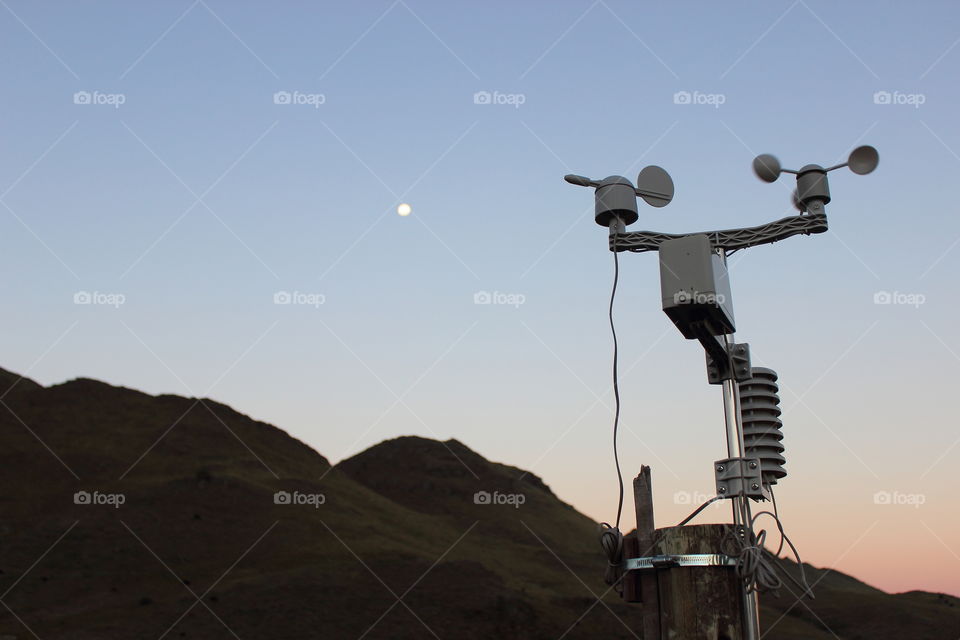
<point>718,370</point>
<point>738,477</point>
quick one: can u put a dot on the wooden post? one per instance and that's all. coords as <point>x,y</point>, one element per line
<point>698,602</point>
<point>647,580</point>
<point>641,586</point>
<point>681,603</point>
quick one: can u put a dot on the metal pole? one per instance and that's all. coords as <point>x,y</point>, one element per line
<point>731,415</point>
<point>741,505</point>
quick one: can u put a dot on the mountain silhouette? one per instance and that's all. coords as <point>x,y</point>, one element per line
<point>127,515</point>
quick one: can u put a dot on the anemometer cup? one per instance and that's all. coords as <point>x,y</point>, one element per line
<point>767,167</point>
<point>863,160</point>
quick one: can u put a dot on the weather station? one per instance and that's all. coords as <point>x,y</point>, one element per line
<point>689,578</point>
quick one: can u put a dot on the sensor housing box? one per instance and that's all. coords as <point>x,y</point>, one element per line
<point>694,287</point>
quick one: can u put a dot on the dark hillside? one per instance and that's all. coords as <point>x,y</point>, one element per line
<point>199,522</point>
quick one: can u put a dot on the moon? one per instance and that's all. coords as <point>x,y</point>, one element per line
<point>404,209</point>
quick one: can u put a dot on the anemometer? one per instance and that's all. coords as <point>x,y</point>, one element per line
<point>696,296</point>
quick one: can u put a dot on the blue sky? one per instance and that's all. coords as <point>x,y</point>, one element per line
<point>202,196</point>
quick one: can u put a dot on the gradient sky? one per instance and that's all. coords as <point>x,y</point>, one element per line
<point>199,198</point>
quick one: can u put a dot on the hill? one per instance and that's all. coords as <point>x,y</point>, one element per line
<point>127,515</point>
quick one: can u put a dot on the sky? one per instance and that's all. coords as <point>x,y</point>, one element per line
<point>201,198</point>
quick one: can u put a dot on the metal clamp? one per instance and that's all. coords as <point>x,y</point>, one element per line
<point>681,560</point>
<point>719,370</point>
<point>738,477</point>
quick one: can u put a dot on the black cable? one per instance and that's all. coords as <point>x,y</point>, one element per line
<point>699,509</point>
<point>616,381</point>
<point>773,499</point>
<point>611,539</point>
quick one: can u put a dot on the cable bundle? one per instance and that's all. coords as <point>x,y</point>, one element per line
<point>611,541</point>
<point>757,567</point>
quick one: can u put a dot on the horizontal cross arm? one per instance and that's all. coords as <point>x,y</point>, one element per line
<point>729,239</point>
